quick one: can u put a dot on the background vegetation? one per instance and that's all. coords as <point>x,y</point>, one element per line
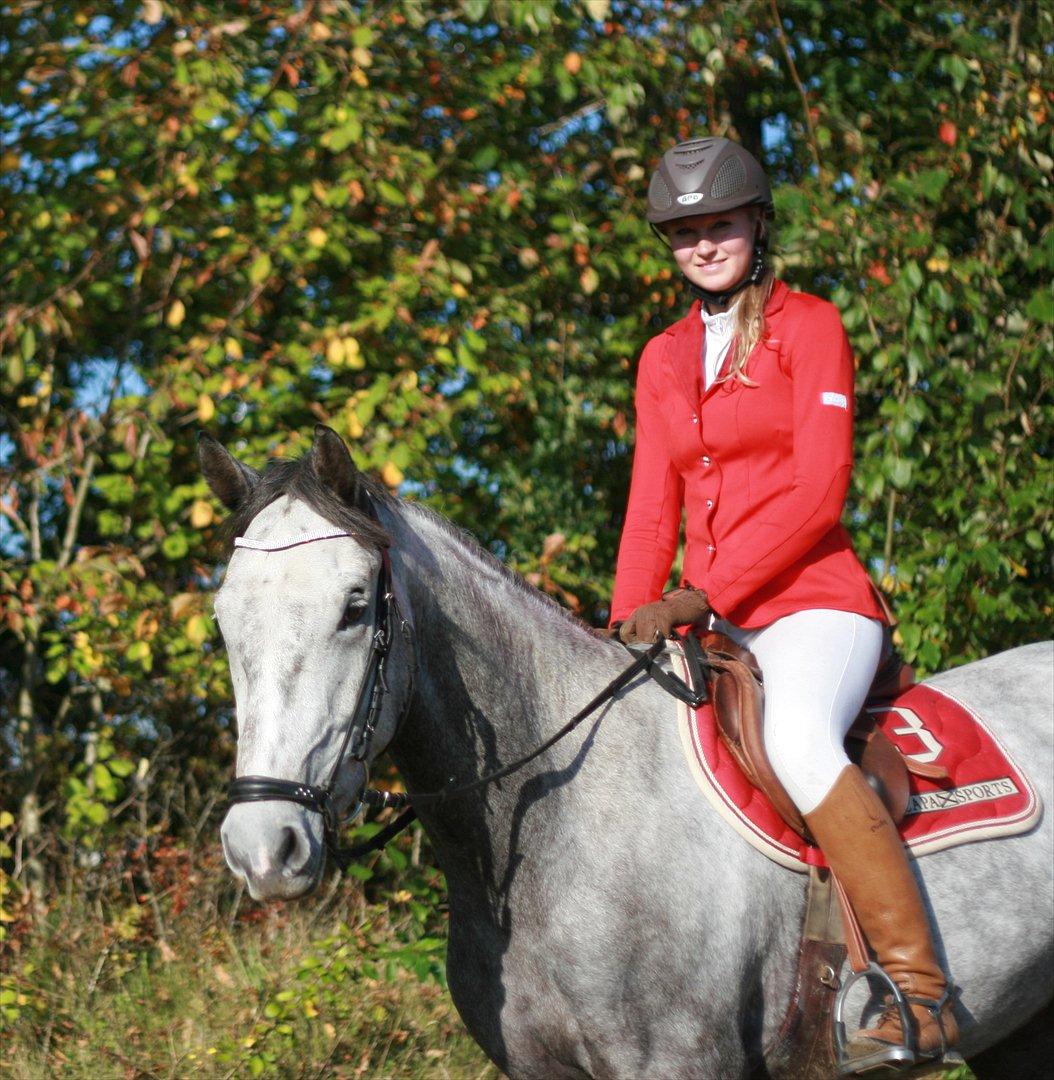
<point>421,224</point>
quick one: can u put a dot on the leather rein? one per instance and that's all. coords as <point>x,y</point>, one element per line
<point>358,736</point>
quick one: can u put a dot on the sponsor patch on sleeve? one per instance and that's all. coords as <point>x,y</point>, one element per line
<point>829,397</point>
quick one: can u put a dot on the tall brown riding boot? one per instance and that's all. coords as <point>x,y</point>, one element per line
<point>861,845</point>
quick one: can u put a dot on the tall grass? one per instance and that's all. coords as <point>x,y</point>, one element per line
<point>154,965</point>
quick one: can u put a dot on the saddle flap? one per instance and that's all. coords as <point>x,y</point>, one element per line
<point>734,684</point>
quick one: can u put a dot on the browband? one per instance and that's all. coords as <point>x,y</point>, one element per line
<point>288,542</point>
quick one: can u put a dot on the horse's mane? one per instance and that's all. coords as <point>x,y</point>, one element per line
<point>489,559</point>
<point>299,480</point>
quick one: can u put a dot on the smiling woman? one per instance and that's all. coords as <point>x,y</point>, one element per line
<point>745,427</point>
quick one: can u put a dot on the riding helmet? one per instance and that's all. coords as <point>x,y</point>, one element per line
<point>706,176</point>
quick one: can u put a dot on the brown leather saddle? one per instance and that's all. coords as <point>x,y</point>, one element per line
<point>735,687</point>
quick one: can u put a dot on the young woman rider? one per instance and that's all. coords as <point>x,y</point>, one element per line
<point>745,423</point>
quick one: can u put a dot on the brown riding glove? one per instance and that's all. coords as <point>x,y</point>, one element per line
<point>681,607</point>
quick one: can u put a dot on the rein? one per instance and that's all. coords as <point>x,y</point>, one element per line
<point>358,736</point>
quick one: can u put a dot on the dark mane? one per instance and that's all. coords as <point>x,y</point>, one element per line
<point>298,480</point>
<point>516,580</point>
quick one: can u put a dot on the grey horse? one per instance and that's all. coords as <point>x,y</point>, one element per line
<point>604,921</point>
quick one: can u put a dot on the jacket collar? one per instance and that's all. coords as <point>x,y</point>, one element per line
<point>684,350</point>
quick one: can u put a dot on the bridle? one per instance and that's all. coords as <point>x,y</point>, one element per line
<point>358,736</point>
<point>357,743</point>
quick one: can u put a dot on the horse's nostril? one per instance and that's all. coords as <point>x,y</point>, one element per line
<point>287,848</point>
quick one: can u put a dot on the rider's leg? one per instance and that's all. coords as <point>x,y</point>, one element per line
<point>818,667</point>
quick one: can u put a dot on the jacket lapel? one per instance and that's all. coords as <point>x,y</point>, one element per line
<point>684,354</point>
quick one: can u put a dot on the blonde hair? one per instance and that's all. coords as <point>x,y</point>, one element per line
<point>750,327</point>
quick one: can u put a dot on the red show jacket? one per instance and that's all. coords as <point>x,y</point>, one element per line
<point>760,471</point>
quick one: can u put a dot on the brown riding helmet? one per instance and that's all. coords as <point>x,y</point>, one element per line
<point>706,176</point>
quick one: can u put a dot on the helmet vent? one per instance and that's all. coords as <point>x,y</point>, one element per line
<point>729,179</point>
<point>659,196</point>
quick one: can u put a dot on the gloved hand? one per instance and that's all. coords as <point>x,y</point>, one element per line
<point>681,607</point>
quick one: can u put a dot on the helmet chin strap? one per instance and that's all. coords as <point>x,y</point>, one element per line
<point>753,276</point>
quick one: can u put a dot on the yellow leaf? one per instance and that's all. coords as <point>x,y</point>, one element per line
<point>358,77</point>
<point>459,290</point>
<point>182,602</point>
<point>206,408</point>
<point>351,346</point>
<point>197,629</point>
<point>335,351</point>
<point>355,428</point>
<point>201,514</point>
<point>361,56</point>
<point>1021,571</point>
<point>310,1010</point>
<point>391,474</point>
<point>7,819</point>
<point>589,280</point>
<point>316,237</point>
<point>233,348</point>
<point>598,9</point>
<point>152,12</point>
<point>176,313</point>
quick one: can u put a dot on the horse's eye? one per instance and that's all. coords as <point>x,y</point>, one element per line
<point>352,613</point>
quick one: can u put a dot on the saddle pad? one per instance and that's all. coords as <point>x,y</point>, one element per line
<point>986,796</point>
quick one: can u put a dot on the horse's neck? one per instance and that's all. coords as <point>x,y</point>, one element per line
<point>500,670</point>
<point>499,665</point>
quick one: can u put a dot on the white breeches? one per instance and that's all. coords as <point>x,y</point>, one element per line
<point>818,667</point>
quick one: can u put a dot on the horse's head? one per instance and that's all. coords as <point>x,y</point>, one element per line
<point>304,596</point>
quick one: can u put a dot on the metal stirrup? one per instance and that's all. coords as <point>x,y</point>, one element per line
<point>900,1057</point>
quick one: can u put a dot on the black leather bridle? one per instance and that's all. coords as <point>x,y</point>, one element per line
<point>358,736</point>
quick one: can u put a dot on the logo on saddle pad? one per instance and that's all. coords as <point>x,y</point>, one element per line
<point>927,802</point>
<point>913,725</point>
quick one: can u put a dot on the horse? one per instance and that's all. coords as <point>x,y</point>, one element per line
<point>604,921</point>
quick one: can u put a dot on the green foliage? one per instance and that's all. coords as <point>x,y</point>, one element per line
<point>421,224</point>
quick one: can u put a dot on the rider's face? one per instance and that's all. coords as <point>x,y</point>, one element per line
<point>714,251</point>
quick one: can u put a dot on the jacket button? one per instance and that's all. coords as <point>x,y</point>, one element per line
<point>709,504</point>
<point>706,460</point>
<point>711,548</point>
<point>695,419</point>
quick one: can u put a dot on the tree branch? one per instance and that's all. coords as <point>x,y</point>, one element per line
<point>74,520</point>
<point>813,146</point>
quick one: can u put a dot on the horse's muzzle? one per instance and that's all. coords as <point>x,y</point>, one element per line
<point>275,848</point>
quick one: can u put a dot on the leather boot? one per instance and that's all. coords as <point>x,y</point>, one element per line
<point>862,847</point>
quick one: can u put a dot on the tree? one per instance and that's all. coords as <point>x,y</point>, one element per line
<point>421,224</point>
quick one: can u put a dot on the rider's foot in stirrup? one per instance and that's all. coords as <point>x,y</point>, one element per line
<point>887,1046</point>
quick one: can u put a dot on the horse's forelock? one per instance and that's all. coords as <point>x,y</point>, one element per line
<point>298,480</point>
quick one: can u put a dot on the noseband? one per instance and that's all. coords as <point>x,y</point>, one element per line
<point>358,735</point>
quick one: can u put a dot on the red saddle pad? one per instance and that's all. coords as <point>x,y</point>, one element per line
<point>986,795</point>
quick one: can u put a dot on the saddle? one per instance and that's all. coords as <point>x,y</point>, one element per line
<point>734,683</point>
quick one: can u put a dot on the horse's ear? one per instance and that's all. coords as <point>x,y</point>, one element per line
<point>229,480</point>
<point>333,465</point>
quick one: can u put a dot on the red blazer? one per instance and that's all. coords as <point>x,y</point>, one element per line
<point>761,472</point>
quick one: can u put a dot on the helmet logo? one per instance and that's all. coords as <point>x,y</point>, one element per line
<point>691,197</point>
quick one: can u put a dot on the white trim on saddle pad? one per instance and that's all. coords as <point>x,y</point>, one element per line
<point>792,857</point>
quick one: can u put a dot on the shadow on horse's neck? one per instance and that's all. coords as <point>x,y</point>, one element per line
<point>500,669</point>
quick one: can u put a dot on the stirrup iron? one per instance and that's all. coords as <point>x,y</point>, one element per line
<point>889,1057</point>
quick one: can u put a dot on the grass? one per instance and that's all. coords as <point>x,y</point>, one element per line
<point>153,965</point>
<point>197,981</point>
